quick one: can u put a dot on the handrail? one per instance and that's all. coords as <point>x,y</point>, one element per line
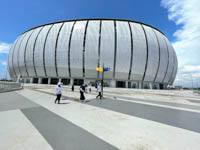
<point>9,86</point>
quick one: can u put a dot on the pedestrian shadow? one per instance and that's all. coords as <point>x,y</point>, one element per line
<point>64,103</point>
<point>85,101</point>
<point>64,99</point>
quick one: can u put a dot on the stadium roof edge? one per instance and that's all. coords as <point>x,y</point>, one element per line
<point>128,20</point>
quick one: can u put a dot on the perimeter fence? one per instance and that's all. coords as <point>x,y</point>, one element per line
<point>9,86</point>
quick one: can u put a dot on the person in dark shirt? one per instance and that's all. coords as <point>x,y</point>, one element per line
<point>82,90</point>
<point>73,88</point>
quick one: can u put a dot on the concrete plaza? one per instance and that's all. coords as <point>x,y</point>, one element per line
<point>126,119</point>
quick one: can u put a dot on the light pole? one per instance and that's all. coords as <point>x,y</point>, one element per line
<point>102,79</point>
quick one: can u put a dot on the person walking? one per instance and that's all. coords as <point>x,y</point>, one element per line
<point>99,89</point>
<point>86,88</point>
<point>72,87</point>
<point>82,97</point>
<point>58,93</point>
<point>90,88</point>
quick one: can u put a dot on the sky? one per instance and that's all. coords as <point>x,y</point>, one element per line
<point>178,19</point>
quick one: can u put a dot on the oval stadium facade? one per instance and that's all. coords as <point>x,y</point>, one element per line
<point>71,50</point>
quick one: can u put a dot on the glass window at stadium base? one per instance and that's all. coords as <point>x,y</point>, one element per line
<point>138,55</point>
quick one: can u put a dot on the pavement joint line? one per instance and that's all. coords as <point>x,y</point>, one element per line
<point>146,136</point>
<point>172,117</point>
<point>141,101</point>
<point>146,93</point>
<point>56,137</point>
<point>160,105</point>
<point>164,115</point>
<point>18,108</point>
<point>63,134</point>
<point>14,101</point>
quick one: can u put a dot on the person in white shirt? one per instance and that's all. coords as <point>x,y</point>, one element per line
<point>58,93</point>
<point>99,89</point>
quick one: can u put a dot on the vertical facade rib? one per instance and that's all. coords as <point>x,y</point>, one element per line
<point>62,52</point>
<point>176,67</point>
<point>18,51</point>
<point>163,58</point>
<point>123,51</point>
<point>167,61</point>
<point>56,46</point>
<point>25,51</point>
<point>170,66</point>
<point>44,64</point>
<point>174,62</point>
<point>153,55</point>
<point>76,59</point>
<point>39,51</point>
<point>69,49</point>
<point>140,52</point>
<point>131,61</point>
<point>49,53</point>
<point>15,53</point>
<point>146,53</point>
<point>107,47</point>
<point>34,51</point>
<point>84,41</point>
<point>115,49</point>
<point>91,49</point>
<point>73,49</point>
<point>12,73</point>
<point>159,56</point>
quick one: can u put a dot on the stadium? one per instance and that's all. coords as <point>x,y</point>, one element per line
<point>70,51</point>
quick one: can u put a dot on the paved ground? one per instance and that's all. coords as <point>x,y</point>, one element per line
<point>125,119</point>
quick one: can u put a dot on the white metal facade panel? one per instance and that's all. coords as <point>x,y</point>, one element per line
<point>153,54</point>
<point>91,53</point>
<point>123,52</point>
<point>163,57</point>
<point>16,54</point>
<point>62,50</point>
<point>9,60</point>
<point>29,52</point>
<point>49,55</point>
<point>22,53</point>
<point>174,69</point>
<point>107,47</point>
<point>10,56</point>
<point>171,60</point>
<point>139,52</point>
<point>76,50</point>
<point>91,49</point>
<point>38,55</point>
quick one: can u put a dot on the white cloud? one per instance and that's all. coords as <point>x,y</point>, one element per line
<point>187,44</point>
<point>191,69</point>
<point>4,63</point>
<point>4,48</point>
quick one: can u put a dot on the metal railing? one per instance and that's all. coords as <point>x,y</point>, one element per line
<point>9,86</point>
